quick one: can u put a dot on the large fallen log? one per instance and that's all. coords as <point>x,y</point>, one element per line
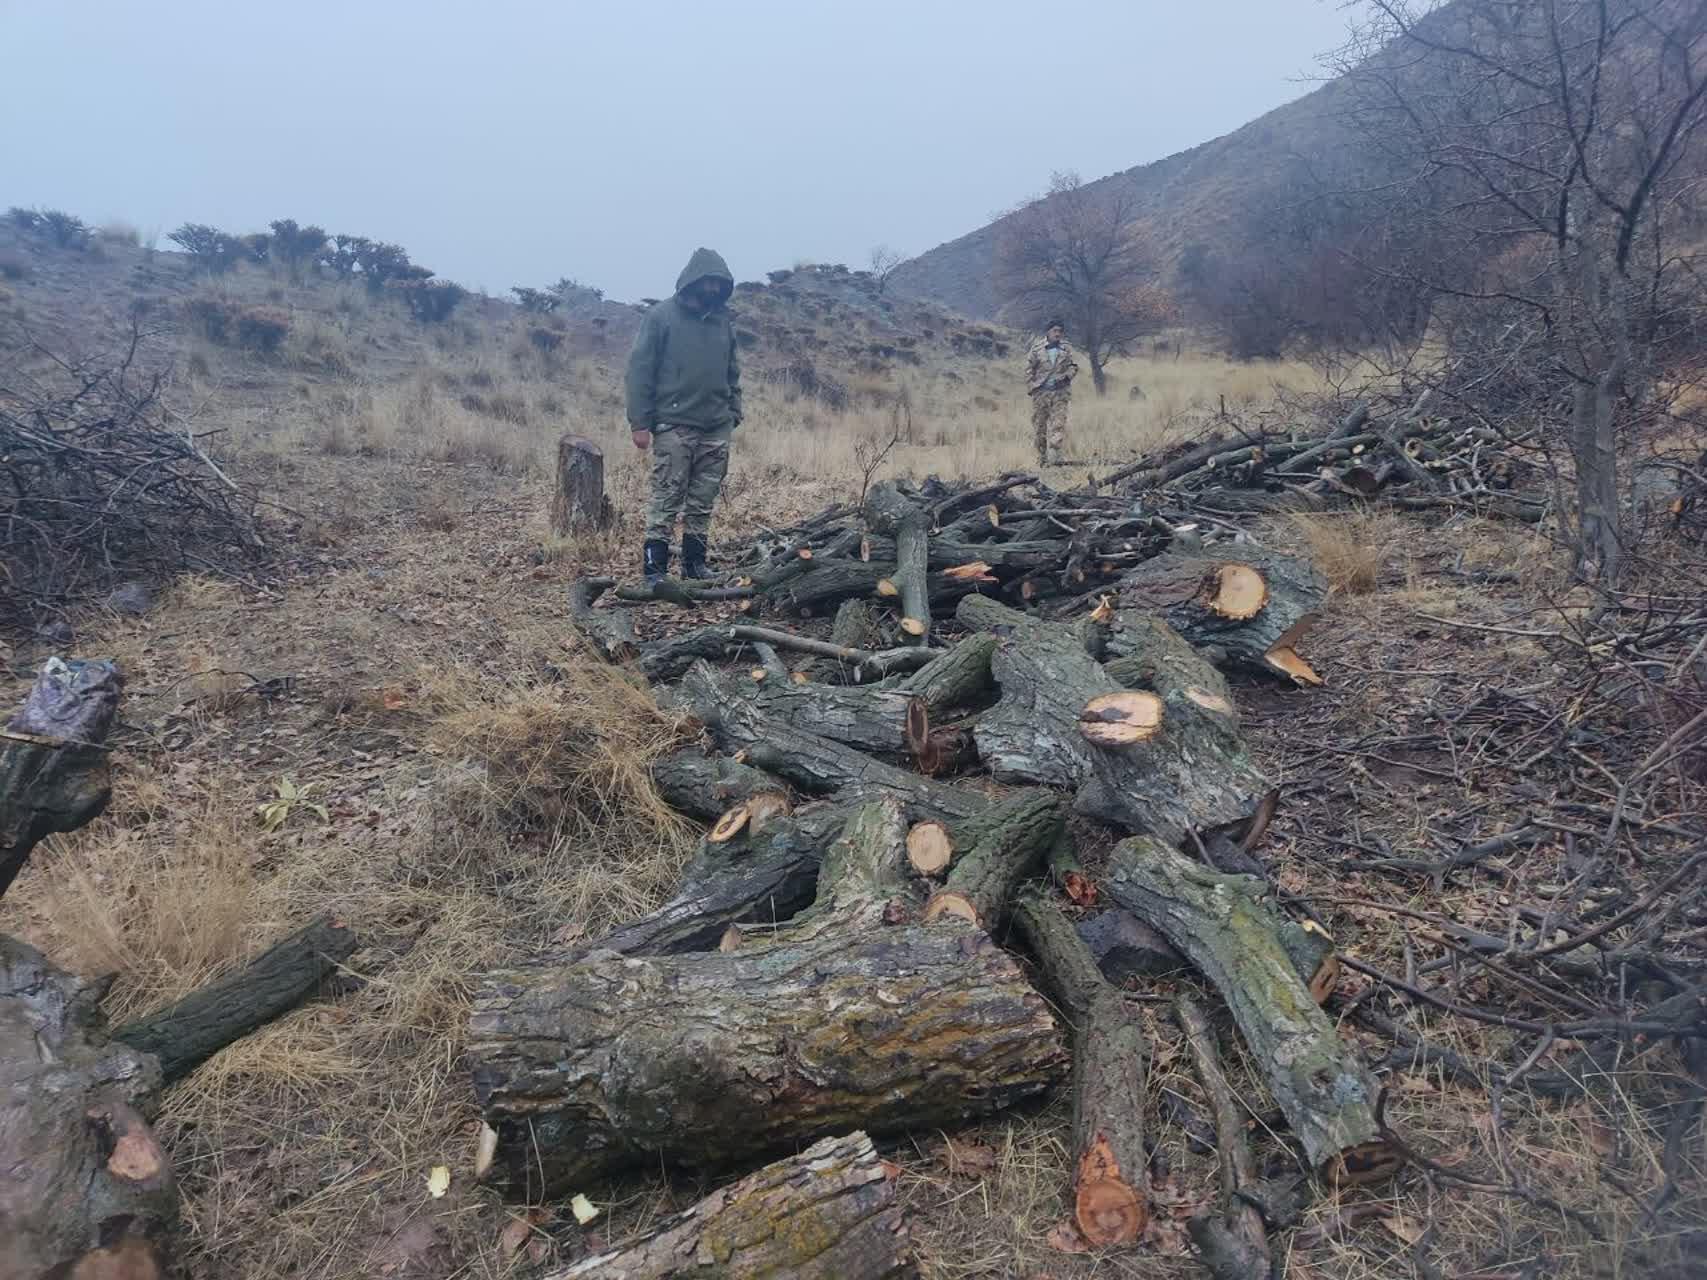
<point>87,1190</point>
<point>1222,925</point>
<point>813,764</point>
<point>1110,1202</point>
<point>1251,607</point>
<point>186,1034</point>
<point>706,1060</point>
<point>1063,721</point>
<point>828,1213</point>
<point>959,678</point>
<point>887,722</point>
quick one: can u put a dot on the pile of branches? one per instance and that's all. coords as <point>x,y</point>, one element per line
<point>1402,456</point>
<point>100,483</point>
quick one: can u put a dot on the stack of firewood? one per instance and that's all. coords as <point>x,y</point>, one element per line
<point>888,817</point>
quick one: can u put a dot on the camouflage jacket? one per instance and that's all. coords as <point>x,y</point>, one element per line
<point>1038,373</point>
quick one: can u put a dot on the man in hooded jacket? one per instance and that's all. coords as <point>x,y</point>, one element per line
<point>684,402</point>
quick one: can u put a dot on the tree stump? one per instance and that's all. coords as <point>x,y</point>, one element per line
<point>579,504</point>
<point>828,1213</point>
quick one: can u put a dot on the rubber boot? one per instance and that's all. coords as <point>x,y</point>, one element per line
<point>655,560</point>
<point>693,557</point>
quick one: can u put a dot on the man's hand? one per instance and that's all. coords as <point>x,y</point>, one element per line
<point>642,439</point>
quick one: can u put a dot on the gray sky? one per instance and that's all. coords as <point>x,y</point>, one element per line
<point>504,142</point>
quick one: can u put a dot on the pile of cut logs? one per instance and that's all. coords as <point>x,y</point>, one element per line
<point>1004,670</point>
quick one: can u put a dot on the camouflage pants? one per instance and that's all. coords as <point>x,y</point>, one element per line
<point>688,467</point>
<point>1049,423</point>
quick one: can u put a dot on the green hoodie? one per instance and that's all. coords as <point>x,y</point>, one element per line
<point>682,371</point>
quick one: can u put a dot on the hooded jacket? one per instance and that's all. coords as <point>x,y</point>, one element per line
<point>682,371</point>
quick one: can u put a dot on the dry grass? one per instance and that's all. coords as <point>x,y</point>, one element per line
<point>1351,550</point>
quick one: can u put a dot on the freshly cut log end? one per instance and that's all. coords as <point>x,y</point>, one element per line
<point>1107,1208</point>
<point>730,825</point>
<point>1209,701</point>
<point>800,677</point>
<point>805,553</point>
<point>918,729</point>
<point>994,513</point>
<point>1121,719</point>
<point>956,906</point>
<point>758,675</point>
<point>887,589</point>
<point>766,806</point>
<point>731,939</point>
<point>1236,592</point>
<point>913,627</point>
<point>865,549</point>
<point>1284,659</point>
<point>1104,610</point>
<point>976,571</point>
<point>930,848</point>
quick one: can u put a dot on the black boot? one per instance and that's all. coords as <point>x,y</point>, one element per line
<point>655,560</point>
<point>693,557</point>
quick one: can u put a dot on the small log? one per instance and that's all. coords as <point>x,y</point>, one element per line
<point>828,1213</point>
<point>812,763</point>
<point>1232,936</point>
<point>706,786</point>
<point>999,850</point>
<point>889,511</point>
<point>88,1192</point>
<point>578,503</point>
<point>716,1059</point>
<point>1185,775</point>
<point>189,1032</point>
<point>930,848</point>
<point>666,659</point>
<point>959,678</point>
<point>1231,1237</point>
<point>1110,1202</point>
<point>609,631</point>
<point>828,583</point>
<point>1253,609</point>
<point>883,721</point>
<point>1124,947</point>
<point>770,665</point>
<point>53,767</point>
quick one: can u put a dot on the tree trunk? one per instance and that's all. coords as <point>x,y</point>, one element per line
<point>714,1059</point>
<point>883,721</point>
<point>1110,1203</point>
<point>1214,603</point>
<point>997,851</point>
<point>579,503</point>
<point>959,679</point>
<point>829,582</point>
<point>609,631</point>
<point>1230,1237</point>
<point>706,786</point>
<point>889,511</point>
<point>87,1191</point>
<point>828,1213</point>
<point>1232,936</point>
<point>813,764</point>
<point>1185,775</point>
<point>186,1034</point>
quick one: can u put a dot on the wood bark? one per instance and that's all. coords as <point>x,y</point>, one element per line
<point>998,850</point>
<point>812,763</point>
<point>960,678</point>
<point>885,721</point>
<point>666,659</point>
<point>186,1034</point>
<point>609,631</point>
<point>889,511</point>
<point>1124,947</point>
<point>1230,1238</point>
<point>828,1213</point>
<point>1110,1202</point>
<point>88,1190</point>
<point>1186,776</point>
<point>1185,590</point>
<point>579,504</point>
<point>829,582</point>
<point>853,627</point>
<point>705,786</point>
<point>713,1059</point>
<point>1232,936</point>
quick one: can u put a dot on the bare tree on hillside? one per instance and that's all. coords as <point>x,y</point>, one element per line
<point>1561,145</point>
<point>883,262</point>
<point>1080,252</point>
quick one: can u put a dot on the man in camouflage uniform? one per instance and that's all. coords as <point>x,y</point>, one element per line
<point>1049,370</point>
<point>684,402</point>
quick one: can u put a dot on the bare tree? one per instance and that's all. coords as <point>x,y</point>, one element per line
<point>883,262</point>
<point>1080,253</point>
<point>1558,143</point>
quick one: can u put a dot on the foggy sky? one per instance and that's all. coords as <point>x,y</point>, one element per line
<point>504,142</point>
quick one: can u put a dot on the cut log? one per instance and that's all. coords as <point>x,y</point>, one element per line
<point>706,786</point>
<point>1142,651</point>
<point>1232,936</point>
<point>609,631</point>
<point>1252,609</point>
<point>930,848</point>
<point>186,1034</point>
<point>828,1213</point>
<point>864,872</point>
<point>715,1059</point>
<point>1110,1203</point>
<point>1187,776</point>
<point>999,850</point>
<point>884,721</point>
<point>53,767</point>
<point>853,627</point>
<point>828,583</point>
<point>579,504</point>
<point>889,511</point>
<point>88,1191</point>
<point>960,678</point>
<point>666,659</point>
<point>1231,1237</point>
<point>1121,719</point>
<point>765,873</point>
<point>812,763</point>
